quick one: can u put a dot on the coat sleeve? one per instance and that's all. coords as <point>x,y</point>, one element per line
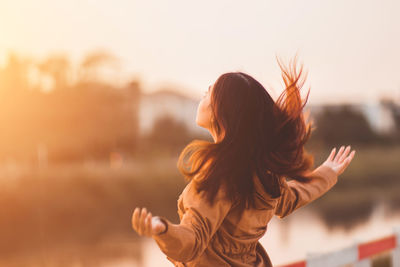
<point>186,241</point>
<point>297,194</point>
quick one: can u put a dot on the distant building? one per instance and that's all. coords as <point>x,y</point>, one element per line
<point>167,102</point>
<point>380,117</point>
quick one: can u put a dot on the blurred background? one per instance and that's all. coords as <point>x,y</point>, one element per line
<point>98,98</point>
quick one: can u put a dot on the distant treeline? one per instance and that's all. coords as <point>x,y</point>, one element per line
<point>68,124</point>
<point>84,117</point>
<point>342,124</point>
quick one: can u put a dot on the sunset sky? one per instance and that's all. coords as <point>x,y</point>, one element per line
<point>351,49</point>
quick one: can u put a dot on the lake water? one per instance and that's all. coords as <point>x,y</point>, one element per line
<point>285,241</point>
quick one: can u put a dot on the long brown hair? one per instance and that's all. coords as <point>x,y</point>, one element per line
<point>261,137</point>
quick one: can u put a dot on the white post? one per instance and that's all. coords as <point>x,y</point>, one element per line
<point>396,250</point>
<point>347,255</point>
<point>363,263</point>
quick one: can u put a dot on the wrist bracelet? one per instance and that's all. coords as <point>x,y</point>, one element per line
<point>166,225</point>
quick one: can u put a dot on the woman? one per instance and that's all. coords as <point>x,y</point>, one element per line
<point>238,182</point>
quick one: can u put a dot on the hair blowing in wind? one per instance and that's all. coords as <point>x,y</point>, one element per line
<point>261,137</point>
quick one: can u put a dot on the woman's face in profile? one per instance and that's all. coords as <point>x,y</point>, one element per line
<point>204,113</point>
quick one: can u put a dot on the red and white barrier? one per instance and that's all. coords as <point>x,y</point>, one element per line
<point>359,254</point>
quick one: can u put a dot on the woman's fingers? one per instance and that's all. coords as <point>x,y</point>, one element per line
<point>346,162</point>
<point>142,222</point>
<point>135,219</point>
<point>332,155</point>
<point>350,157</point>
<point>339,154</point>
<point>344,155</point>
<point>341,160</point>
<point>148,226</point>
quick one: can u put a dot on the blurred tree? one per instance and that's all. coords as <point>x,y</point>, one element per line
<point>168,134</point>
<point>395,110</point>
<point>343,125</point>
<point>14,76</point>
<point>92,67</point>
<point>58,68</point>
<point>94,120</point>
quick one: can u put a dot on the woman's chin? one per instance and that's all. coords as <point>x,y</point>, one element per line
<point>203,126</point>
<point>198,123</point>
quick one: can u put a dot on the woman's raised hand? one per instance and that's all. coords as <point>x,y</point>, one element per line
<point>145,224</point>
<point>342,159</point>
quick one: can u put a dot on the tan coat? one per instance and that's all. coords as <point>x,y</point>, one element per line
<point>218,236</point>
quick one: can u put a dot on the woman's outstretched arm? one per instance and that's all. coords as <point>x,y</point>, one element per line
<point>297,194</point>
<point>187,240</point>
